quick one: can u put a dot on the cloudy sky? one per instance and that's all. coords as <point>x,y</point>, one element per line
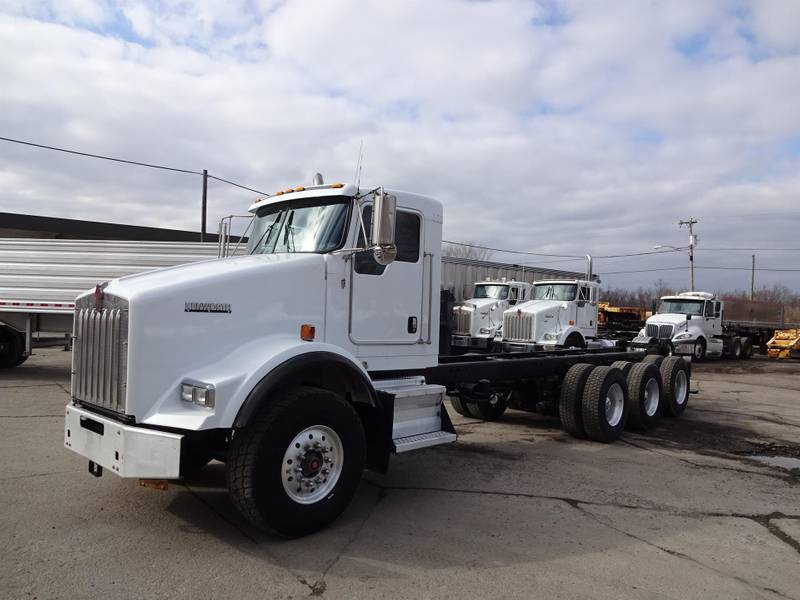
<point>559,127</point>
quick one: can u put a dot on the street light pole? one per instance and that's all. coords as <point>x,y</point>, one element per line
<point>690,223</point>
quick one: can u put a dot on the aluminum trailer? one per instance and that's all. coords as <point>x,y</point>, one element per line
<point>40,279</point>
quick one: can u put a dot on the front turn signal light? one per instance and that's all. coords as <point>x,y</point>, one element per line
<point>307,332</point>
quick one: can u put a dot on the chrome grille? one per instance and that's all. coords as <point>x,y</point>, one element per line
<point>462,318</point>
<point>518,327</point>
<point>100,354</point>
<point>662,332</point>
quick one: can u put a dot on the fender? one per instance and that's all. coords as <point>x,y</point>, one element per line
<point>569,331</point>
<point>294,367</point>
<point>374,407</point>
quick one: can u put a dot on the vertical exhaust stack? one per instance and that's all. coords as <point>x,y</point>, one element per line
<point>318,179</point>
<point>589,267</point>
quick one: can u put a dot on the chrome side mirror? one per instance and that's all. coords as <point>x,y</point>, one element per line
<point>384,216</point>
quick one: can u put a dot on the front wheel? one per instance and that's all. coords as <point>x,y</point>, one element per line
<point>296,466</point>
<point>699,349</point>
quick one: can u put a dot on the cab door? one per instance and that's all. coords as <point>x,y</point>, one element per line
<point>586,303</point>
<point>386,301</point>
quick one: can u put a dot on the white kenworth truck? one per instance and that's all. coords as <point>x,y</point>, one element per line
<point>477,322</point>
<point>560,313</point>
<point>692,324</point>
<point>314,357</point>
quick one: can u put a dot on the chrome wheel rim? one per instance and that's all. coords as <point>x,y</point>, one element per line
<point>651,397</point>
<point>681,387</point>
<point>312,464</point>
<point>615,403</point>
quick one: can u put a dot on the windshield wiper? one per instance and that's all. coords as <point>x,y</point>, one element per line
<point>266,233</point>
<point>288,235</point>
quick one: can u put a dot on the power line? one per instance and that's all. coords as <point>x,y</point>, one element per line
<point>571,257</point>
<point>132,162</point>
<point>750,249</point>
<point>100,156</point>
<point>700,268</point>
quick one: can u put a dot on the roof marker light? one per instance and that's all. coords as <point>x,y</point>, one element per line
<point>337,185</point>
<point>300,189</point>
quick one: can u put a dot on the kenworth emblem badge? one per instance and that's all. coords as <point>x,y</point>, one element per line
<point>207,307</point>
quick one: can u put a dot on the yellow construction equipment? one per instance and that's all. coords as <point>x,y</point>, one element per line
<point>784,344</point>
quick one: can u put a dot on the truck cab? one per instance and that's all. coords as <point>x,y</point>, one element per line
<point>559,313</point>
<point>278,362</point>
<point>478,321</point>
<point>691,322</point>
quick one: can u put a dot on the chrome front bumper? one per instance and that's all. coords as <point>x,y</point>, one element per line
<point>125,450</point>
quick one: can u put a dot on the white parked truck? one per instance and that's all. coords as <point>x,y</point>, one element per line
<point>478,321</point>
<point>558,314</point>
<point>313,357</point>
<point>692,324</point>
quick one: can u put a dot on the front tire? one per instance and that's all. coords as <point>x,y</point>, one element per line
<point>297,465</point>
<point>699,352</point>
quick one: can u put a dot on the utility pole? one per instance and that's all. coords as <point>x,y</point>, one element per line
<point>753,278</point>
<point>692,241</point>
<point>205,199</point>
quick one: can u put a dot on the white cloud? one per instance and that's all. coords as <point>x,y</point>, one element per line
<point>588,129</point>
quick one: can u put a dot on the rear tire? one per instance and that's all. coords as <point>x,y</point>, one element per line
<point>605,400</point>
<point>306,434</point>
<point>747,348</point>
<point>736,349</point>
<point>12,348</point>
<point>623,365</point>
<point>570,402</point>
<point>676,379</point>
<point>645,393</point>
<point>653,359</point>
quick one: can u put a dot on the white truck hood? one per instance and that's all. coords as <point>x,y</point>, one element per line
<point>668,319</point>
<point>536,307</point>
<point>187,320</point>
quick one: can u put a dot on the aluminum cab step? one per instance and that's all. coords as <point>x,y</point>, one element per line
<point>423,440</point>
<point>420,418</point>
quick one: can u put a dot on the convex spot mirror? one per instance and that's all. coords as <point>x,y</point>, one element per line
<point>384,216</point>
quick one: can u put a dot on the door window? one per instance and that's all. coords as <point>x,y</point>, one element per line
<point>407,237</point>
<point>513,296</point>
<point>583,294</point>
<point>709,312</point>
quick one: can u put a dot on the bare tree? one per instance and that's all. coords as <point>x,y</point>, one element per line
<point>466,251</point>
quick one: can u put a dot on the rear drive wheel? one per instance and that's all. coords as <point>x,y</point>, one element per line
<point>676,378</point>
<point>645,391</point>
<point>653,359</point>
<point>605,399</point>
<point>570,402</point>
<point>12,348</point>
<point>491,409</point>
<point>623,365</point>
<point>736,349</point>
<point>747,348</point>
<point>295,467</point>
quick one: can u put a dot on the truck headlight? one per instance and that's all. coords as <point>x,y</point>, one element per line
<point>485,331</point>
<point>201,394</point>
<point>550,337</point>
<point>683,336</point>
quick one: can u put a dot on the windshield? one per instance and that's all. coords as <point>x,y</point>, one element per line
<point>681,307</point>
<point>498,292</point>
<point>554,291</point>
<point>313,225</point>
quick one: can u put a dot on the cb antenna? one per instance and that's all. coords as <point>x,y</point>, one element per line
<point>359,164</point>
